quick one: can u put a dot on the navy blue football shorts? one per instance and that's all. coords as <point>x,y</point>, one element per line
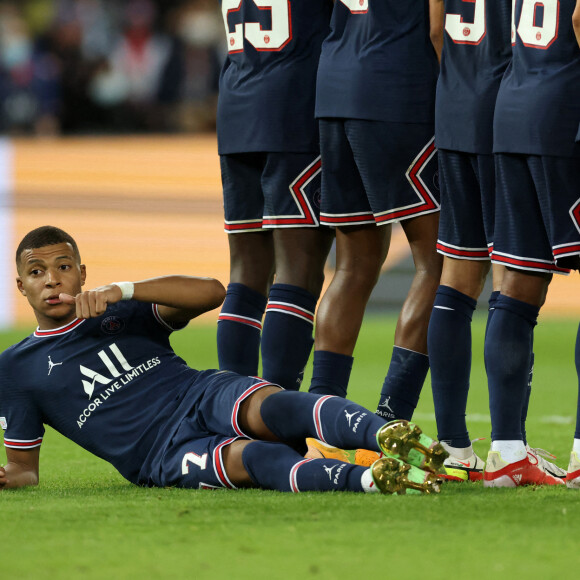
<point>270,190</point>
<point>537,214</point>
<point>376,172</point>
<point>193,458</point>
<point>467,183</point>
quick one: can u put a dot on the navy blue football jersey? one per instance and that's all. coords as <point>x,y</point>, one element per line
<point>267,84</point>
<point>538,105</point>
<point>112,384</point>
<point>378,63</point>
<point>476,53</point>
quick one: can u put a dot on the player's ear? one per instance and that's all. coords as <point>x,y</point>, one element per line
<point>20,286</point>
<point>83,274</point>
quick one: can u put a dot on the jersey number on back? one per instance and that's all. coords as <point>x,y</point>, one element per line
<point>462,32</point>
<point>533,12</point>
<point>357,6</point>
<point>263,40</point>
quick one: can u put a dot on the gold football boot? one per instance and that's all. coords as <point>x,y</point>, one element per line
<point>392,475</point>
<point>405,440</point>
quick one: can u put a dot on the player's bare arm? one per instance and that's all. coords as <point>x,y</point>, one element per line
<point>576,21</point>
<point>436,19</point>
<point>21,469</point>
<point>180,298</point>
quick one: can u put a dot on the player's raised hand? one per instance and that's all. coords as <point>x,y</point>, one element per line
<point>92,303</point>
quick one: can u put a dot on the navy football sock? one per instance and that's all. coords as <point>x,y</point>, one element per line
<point>341,423</point>
<point>239,327</point>
<point>277,466</point>
<point>449,345</point>
<point>577,360</point>
<point>492,301</point>
<point>287,335</point>
<point>330,373</point>
<point>507,359</point>
<point>403,384</point>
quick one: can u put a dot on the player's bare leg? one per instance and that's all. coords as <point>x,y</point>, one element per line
<point>287,333</point>
<point>301,254</point>
<point>360,254</point>
<point>409,362</point>
<point>411,331</point>
<point>252,260</point>
<point>497,272</point>
<point>466,276</point>
<point>529,287</point>
<point>240,321</point>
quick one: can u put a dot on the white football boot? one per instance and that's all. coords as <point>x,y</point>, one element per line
<point>539,457</point>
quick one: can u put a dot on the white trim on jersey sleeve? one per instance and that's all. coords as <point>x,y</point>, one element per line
<point>23,443</point>
<point>163,323</point>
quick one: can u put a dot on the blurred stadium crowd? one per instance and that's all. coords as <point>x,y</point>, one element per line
<point>109,66</point>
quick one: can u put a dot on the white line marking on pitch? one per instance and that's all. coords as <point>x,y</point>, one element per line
<point>482,418</point>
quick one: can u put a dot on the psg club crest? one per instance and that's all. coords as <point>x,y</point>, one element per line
<point>112,325</point>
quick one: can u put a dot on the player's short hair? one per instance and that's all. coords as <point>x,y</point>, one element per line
<point>45,236</point>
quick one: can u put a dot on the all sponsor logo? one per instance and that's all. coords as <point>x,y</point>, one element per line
<point>120,374</point>
<point>95,377</point>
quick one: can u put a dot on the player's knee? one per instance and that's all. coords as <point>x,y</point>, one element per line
<point>528,287</point>
<point>280,409</point>
<point>250,414</point>
<point>234,464</point>
<point>308,276</point>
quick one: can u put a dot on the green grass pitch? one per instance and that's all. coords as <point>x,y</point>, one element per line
<point>85,521</point>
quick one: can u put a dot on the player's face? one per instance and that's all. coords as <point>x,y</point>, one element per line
<point>44,274</point>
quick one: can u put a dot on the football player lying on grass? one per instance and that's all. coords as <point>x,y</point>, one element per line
<point>100,370</point>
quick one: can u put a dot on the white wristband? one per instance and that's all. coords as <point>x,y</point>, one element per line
<point>127,289</point>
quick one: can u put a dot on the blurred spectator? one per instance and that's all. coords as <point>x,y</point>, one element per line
<point>189,86</point>
<point>29,78</point>
<point>79,66</point>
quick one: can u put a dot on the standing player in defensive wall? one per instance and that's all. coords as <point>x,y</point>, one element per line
<point>477,51</point>
<point>537,217</point>
<point>101,371</point>
<point>375,103</point>
<point>270,162</point>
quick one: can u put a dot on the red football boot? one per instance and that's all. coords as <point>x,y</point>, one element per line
<point>499,473</point>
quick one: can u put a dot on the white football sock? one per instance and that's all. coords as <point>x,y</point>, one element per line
<point>510,450</point>
<point>576,447</point>
<point>367,482</point>
<point>458,452</point>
